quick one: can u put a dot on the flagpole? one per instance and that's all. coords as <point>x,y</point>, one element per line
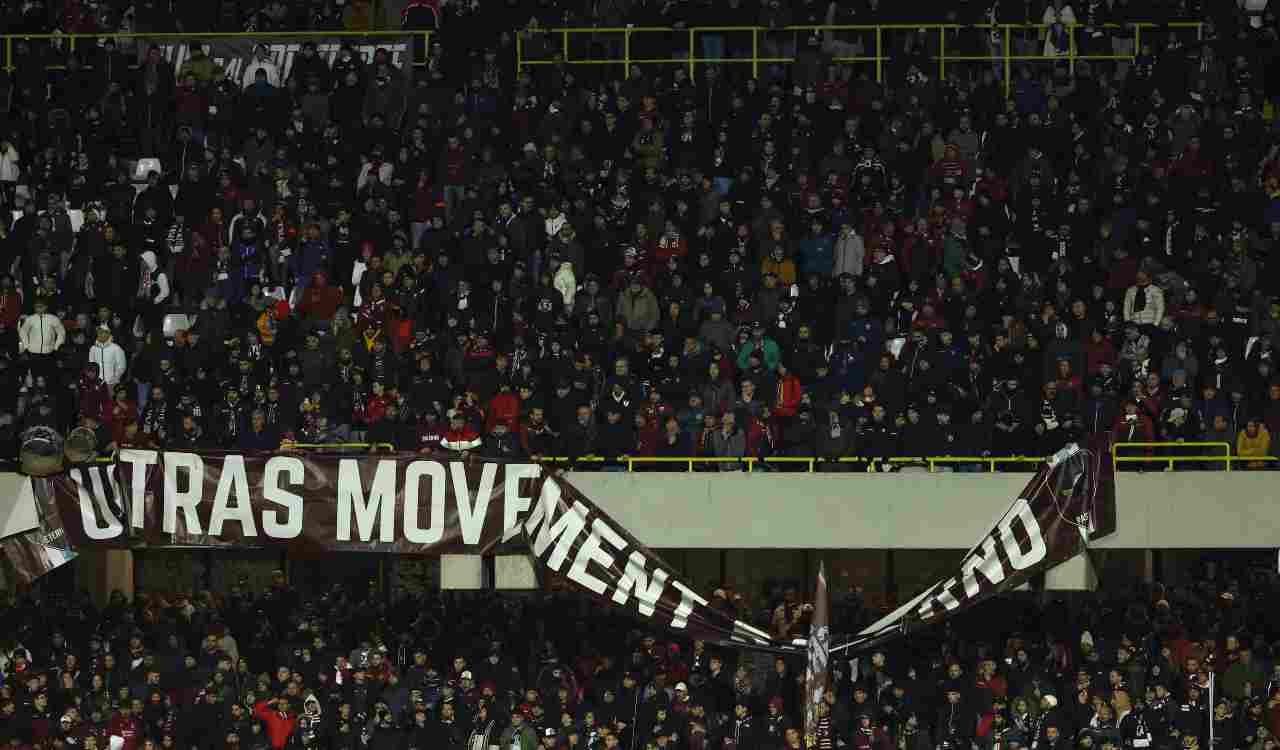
<point>816,677</point>
<point>1212,714</point>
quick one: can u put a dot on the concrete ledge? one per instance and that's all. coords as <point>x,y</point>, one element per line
<point>461,572</point>
<point>514,573</point>
<point>1160,510</point>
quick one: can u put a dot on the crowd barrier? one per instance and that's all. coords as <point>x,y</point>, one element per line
<point>1005,57</point>
<point>1172,455</point>
<point>1003,51</point>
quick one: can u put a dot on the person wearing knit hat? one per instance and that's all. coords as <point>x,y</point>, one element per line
<point>776,723</point>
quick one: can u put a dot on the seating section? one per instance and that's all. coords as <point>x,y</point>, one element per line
<point>480,234</point>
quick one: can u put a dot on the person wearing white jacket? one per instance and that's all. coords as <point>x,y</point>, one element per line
<point>41,332</point>
<point>41,335</point>
<point>10,172</point>
<point>566,283</point>
<point>108,356</point>
<point>1059,11</point>
<point>1144,302</point>
<point>264,63</point>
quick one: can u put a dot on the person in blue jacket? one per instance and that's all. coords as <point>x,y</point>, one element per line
<point>817,250</point>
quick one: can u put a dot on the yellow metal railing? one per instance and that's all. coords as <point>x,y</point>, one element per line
<point>71,40</point>
<point>288,446</point>
<point>1117,459</point>
<point>1006,57</point>
<point>1226,459</point>
<point>871,464</point>
<point>1153,453</point>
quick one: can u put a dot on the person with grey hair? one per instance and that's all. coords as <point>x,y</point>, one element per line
<point>260,436</point>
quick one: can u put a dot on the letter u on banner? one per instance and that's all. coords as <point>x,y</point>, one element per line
<point>111,526</point>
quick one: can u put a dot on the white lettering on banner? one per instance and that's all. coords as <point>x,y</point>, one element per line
<point>515,504</point>
<point>471,517</point>
<point>290,501</point>
<point>591,551</point>
<point>182,500</point>
<point>111,526</point>
<point>381,501</point>
<point>283,55</point>
<point>233,482</point>
<point>743,631</point>
<point>1017,558</point>
<point>413,475</point>
<point>563,530</point>
<point>925,610</point>
<point>648,590</point>
<point>946,598</point>
<point>140,460</point>
<point>687,599</point>
<point>986,563</point>
<point>103,482</point>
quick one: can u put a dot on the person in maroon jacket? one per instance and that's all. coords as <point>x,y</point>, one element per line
<point>127,727</point>
<point>1132,425</point>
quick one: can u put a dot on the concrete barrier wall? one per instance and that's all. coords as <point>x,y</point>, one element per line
<point>17,505</point>
<point>1159,510</point>
<point>1166,510</point>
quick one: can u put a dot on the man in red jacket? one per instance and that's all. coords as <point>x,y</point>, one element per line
<point>460,436</point>
<point>505,408</point>
<point>278,720</point>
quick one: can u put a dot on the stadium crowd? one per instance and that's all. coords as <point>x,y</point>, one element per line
<point>458,256</point>
<point>344,669</point>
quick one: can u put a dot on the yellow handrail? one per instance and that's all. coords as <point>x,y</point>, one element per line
<point>340,446</point>
<point>810,462</point>
<point>1226,456</point>
<point>1226,459</point>
<point>1005,57</point>
<point>872,462</point>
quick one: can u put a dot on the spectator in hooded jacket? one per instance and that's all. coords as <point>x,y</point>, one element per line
<point>637,307</point>
<point>108,356</point>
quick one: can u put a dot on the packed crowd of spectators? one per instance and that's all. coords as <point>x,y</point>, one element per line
<point>571,262</point>
<point>348,670</point>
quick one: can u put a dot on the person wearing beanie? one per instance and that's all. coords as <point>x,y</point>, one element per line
<point>519,734</point>
<point>867,735</point>
<point>776,722</point>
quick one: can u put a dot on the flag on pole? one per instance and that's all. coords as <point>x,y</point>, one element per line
<point>816,676</point>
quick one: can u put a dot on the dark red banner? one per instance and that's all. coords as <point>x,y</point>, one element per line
<point>411,504</point>
<point>1070,502</point>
